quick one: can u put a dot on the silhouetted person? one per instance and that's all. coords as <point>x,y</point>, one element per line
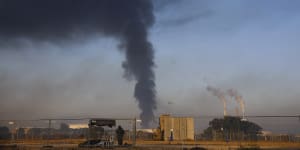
<point>120,134</point>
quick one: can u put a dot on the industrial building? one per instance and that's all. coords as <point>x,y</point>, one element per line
<point>176,128</point>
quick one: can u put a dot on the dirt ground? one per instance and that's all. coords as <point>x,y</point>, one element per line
<point>72,144</point>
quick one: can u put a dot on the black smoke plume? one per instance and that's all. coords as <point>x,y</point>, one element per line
<point>64,20</point>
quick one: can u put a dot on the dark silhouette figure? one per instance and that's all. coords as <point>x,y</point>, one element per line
<point>120,134</point>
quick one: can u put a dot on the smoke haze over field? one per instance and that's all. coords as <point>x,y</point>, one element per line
<point>77,68</point>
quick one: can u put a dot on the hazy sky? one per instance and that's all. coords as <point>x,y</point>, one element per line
<point>251,46</point>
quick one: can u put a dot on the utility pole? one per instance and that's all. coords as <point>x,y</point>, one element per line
<point>134,132</point>
<point>49,128</point>
<point>12,128</point>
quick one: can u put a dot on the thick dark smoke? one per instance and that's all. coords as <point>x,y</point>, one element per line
<point>65,20</point>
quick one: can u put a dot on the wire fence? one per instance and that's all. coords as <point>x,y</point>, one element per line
<point>78,129</point>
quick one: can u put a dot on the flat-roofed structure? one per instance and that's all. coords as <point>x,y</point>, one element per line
<point>78,125</point>
<point>176,128</point>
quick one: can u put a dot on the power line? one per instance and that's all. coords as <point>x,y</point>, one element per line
<point>179,115</point>
<point>274,116</point>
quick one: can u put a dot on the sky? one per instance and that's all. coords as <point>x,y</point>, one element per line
<point>248,45</point>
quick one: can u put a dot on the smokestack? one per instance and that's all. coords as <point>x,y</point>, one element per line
<point>221,96</point>
<point>237,111</point>
<point>65,21</point>
<point>224,107</point>
<point>239,99</point>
